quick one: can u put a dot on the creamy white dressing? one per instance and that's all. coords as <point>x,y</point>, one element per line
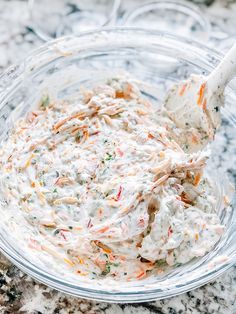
<point>104,187</point>
<point>194,108</point>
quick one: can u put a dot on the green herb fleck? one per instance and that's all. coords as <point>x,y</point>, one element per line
<point>33,162</point>
<point>160,263</point>
<point>45,101</point>
<point>116,264</point>
<point>109,156</point>
<point>178,264</point>
<point>107,269</point>
<point>78,137</point>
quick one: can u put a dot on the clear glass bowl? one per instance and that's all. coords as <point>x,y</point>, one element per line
<point>60,68</point>
<point>174,16</point>
<point>52,19</point>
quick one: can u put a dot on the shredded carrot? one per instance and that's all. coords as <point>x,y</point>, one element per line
<point>107,119</point>
<point>188,174</point>
<point>160,181</point>
<point>151,136</point>
<point>66,200</point>
<point>104,229</point>
<point>161,153</point>
<point>182,89</point>
<point>49,225</point>
<point>195,139</point>
<point>141,112</point>
<point>197,179</point>
<point>119,94</point>
<point>185,199</point>
<point>204,104</point>
<point>40,196</point>
<point>61,181</point>
<point>78,115</point>
<point>85,136</point>
<point>77,228</point>
<point>31,116</point>
<point>81,261</point>
<point>69,262</point>
<point>28,162</point>
<point>105,248</point>
<point>140,275</point>
<point>201,94</point>
<point>113,202</point>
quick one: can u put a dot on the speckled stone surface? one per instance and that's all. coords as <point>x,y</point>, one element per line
<point>18,292</point>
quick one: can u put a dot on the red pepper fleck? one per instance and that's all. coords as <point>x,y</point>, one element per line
<point>89,225</point>
<point>141,222</point>
<point>119,151</point>
<point>170,231</point>
<point>182,89</point>
<point>64,237</point>
<point>118,196</point>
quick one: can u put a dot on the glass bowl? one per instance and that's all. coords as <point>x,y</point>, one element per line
<point>174,16</point>
<point>52,19</point>
<point>60,68</point>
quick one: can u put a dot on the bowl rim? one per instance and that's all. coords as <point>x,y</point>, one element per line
<point>78,290</point>
<point>43,35</point>
<point>181,6</point>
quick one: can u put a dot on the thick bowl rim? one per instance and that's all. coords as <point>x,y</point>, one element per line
<point>80,291</point>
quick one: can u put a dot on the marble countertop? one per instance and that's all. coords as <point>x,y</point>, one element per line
<point>21,294</point>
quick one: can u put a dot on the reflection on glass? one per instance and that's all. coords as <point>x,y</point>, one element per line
<point>51,19</point>
<point>178,17</point>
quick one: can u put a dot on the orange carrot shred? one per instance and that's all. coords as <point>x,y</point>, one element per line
<point>204,104</point>
<point>182,89</point>
<point>197,179</point>
<point>140,275</point>
<point>201,94</point>
<point>104,229</point>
